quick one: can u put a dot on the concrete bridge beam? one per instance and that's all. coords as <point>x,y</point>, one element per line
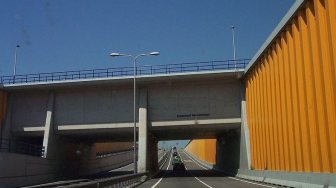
<point>147,142</point>
<point>49,129</point>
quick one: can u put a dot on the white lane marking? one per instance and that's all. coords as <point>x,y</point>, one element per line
<point>163,175</point>
<point>195,176</point>
<point>121,167</point>
<point>250,182</point>
<point>231,177</point>
<point>195,161</point>
<point>203,182</point>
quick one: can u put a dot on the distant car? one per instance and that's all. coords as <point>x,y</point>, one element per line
<point>175,154</point>
<point>177,164</point>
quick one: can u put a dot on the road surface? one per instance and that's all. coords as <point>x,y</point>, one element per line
<point>196,176</point>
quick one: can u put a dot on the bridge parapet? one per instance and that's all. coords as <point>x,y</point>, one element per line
<point>127,71</point>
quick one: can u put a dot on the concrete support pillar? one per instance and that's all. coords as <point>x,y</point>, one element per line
<point>147,145</point>
<point>152,154</point>
<point>245,155</point>
<point>48,127</point>
<point>143,132</point>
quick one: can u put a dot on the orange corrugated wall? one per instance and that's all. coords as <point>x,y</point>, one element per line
<point>204,149</point>
<point>290,95</point>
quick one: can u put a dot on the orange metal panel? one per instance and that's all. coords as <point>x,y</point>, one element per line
<point>265,117</point>
<point>262,117</point>
<point>274,112</point>
<point>259,128</point>
<point>295,97</point>
<point>289,102</point>
<point>204,149</point>
<point>319,101</point>
<point>285,101</point>
<point>269,113</point>
<point>255,139</point>
<point>328,63</point>
<point>310,95</point>
<point>278,56</point>
<point>301,96</point>
<point>291,94</point>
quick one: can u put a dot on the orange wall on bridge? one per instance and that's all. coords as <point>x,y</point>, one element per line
<point>3,103</point>
<point>204,149</point>
<point>291,94</point>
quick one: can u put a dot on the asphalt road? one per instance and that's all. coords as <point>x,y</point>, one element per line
<point>196,176</point>
<point>128,169</point>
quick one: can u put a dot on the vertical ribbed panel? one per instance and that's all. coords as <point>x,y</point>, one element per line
<point>290,95</point>
<point>204,149</point>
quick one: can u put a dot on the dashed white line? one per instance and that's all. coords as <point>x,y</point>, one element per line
<point>196,177</point>
<point>163,175</point>
<point>203,182</point>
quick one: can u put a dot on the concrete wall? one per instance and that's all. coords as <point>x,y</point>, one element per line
<point>113,146</point>
<point>103,107</point>
<point>3,105</point>
<point>215,99</point>
<point>29,109</point>
<point>19,170</point>
<point>291,94</point>
<point>93,105</point>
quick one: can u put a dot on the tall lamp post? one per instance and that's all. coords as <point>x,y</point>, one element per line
<point>15,59</point>
<point>234,45</point>
<point>134,96</point>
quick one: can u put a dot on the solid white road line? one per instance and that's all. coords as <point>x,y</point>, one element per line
<point>195,161</point>
<point>121,167</point>
<point>157,183</point>
<point>231,177</point>
<point>195,176</point>
<point>251,182</point>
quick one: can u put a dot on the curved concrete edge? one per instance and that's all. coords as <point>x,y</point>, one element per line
<point>292,179</point>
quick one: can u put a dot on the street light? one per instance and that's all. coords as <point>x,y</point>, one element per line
<point>234,45</point>
<point>15,58</point>
<point>134,95</point>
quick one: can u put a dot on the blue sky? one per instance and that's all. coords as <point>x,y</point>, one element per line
<point>79,34</point>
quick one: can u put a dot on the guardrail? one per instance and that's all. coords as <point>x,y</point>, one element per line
<point>126,71</point>
<point>108,154</point>
<point>115,182</point>
<point>21,147</point>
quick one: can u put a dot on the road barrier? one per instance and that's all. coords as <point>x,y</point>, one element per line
<point>126,71</point>
<point>21,147</point>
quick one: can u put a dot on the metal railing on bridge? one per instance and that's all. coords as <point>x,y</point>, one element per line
<point>126,71</point>
<point>21,147</point>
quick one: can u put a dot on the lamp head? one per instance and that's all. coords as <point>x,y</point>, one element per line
<point>154,53</point>
<point>115,54</point>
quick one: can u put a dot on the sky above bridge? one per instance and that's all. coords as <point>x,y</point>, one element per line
<point>79,34</point>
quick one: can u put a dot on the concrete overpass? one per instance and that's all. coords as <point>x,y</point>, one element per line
<point>198,100</point>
